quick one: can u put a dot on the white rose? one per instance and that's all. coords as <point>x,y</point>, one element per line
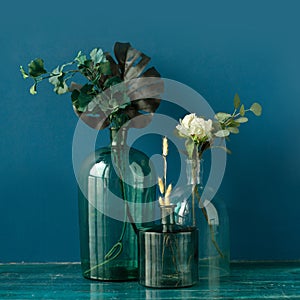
<point>197,127</point>
<point>184,125</point>
<point>201,128</point>
<point>193,126</point>
<point>186,122</point>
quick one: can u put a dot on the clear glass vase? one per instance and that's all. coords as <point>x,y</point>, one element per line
<point>168,253</point>
<point>211,219</point>
<point>108,224</point>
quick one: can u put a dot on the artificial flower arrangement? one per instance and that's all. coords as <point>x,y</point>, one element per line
<point>200,135</point>
<point>115,95</point>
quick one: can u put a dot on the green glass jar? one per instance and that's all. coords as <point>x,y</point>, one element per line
<point>116,190</point>
<point>168,253</point>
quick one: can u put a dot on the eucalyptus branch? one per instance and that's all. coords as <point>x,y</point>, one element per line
<point>59,74</point>
<point>229,123</point>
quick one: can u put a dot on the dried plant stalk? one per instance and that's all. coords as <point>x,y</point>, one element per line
<point>169,190</point>
<point>165,146</point>
<point>161,186</point>
<point>161,201</point>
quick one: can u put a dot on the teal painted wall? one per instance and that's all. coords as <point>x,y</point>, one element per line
<point>216,47</point>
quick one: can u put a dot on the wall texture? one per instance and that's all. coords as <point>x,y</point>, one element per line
<point>216,47</point>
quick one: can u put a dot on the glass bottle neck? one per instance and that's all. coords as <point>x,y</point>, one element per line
<point>194,171</point>
<point>118,136</point>
<point>167,214</point>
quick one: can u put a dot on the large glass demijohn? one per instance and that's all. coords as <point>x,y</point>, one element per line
<point>116,191</point>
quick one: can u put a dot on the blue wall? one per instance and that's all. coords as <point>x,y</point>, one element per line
<point>217,48</point>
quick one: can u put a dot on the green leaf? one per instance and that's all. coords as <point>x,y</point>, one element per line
<point>88,63</point>
<point>112,81</point>
<point>222,133</point>
<point>234,130</point>
<point>24,74</point>
<point>84,97</point>
<point>190,146</point>
<point>242,110</point>
<point>221,116</point>
<point>74,98</point>
<point>33,90</point>
<point>256,109</point>
<point>104,68</point>
<point>241,120</point>
<point>232,123</point>
<point>36,68</point>
<point>80,58</point>
<point>58,80</point>
<point>62,87</point>
<point>236,101</point>
<point>97,56</point>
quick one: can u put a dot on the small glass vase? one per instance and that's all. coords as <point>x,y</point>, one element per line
<point>211,219</point>
<point>109,227</point>
<point>168,253</point>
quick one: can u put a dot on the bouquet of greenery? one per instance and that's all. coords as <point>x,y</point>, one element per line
<point>115,92</point>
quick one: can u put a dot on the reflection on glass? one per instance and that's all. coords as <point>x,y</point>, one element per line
<point>108,244</point>
<point>211,219</point>
<point>168,253</point>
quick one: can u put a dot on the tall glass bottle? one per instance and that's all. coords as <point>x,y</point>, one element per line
<point>211,219</point>
<point>113,182</point>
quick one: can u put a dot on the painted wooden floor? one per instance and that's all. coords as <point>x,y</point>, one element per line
<point>64,281</point>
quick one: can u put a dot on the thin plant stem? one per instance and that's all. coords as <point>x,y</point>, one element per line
<point>193,205</point>
<point>117,248</point>
<point>54,75</point>
<point>194,183</point>
<point>208,222</point>
<point>123,190</point>
<point>165,172</point>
